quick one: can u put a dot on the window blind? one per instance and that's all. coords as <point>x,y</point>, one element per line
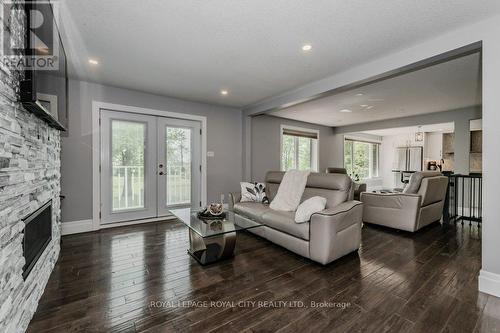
<point>303,134</point>
<point>364,141</point>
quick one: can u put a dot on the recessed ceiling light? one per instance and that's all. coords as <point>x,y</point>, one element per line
<point>307,47</point>
<point>224,92</point>
<point>93,62</point>
<point>359,94</point>
<point>345,111</point>
<point>364,105</point>
<point>369,107</point>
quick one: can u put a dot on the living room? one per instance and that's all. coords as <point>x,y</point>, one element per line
<point>203,171</point>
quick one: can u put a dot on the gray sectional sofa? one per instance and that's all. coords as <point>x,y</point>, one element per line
<point>329,235</point>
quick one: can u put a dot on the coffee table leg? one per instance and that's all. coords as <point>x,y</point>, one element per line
<point>211,249</point>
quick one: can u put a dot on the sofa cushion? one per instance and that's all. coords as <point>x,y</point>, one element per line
<point>333,198</point>
<point>252,210</point>
<point>330,181</point>
<point>416,180</point>
<point>433,189</point>
<point>285,222</point>
<point>336,188</point>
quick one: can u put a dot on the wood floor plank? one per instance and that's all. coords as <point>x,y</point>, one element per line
<point>395,324</point>
<point>436,315</point>
<point>397,282</point>
<point>490,317</point>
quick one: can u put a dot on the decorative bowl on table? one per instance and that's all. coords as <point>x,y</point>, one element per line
<point>212,211</point>
<point>216,209</point>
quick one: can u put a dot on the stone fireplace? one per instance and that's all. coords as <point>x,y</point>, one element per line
<point>29,178</point>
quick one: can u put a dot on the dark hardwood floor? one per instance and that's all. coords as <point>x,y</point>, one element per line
<point>399,282</point>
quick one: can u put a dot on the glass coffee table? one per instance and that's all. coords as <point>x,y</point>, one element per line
<point>211,240</point>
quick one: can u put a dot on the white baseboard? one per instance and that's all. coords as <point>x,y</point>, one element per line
<point>489,283</point>
<point>123,224</point>
<point>76,227</point>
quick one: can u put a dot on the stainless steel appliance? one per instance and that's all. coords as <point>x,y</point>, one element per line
<point>408,159</point>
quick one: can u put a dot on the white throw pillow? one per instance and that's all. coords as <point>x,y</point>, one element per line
<point>309,207</point>
<point>253,192</point>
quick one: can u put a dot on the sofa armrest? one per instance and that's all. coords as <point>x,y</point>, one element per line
<point>336,231</point>
<point>358,189</point>
<point>234,197</point>
<point>338,214</point>
<point>391,200</point>
<point>395,210</point>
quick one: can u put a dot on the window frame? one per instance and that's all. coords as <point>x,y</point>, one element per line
<point>314,146</point>
<point>370,157</point>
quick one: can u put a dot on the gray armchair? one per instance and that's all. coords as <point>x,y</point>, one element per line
<point>420,203</point>
<point>357,189</point>
<point>336,170</point>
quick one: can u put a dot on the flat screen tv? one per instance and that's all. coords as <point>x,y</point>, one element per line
<point>44,88</point>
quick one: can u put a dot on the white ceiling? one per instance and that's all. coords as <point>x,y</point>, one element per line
<point>451,85</point>
<point>443,128</point>
<point>193,49</point>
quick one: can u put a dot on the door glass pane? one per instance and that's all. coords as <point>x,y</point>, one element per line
<point>288,152</point>
<point>178,165</point>
<point>127,158</point>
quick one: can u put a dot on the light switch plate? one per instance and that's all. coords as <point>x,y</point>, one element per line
<point>210,154</point>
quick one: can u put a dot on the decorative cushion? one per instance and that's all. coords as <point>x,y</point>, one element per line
<point>253,192</point>
<point>309,207</point>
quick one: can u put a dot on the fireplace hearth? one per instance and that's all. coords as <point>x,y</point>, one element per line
<point>37,235</point>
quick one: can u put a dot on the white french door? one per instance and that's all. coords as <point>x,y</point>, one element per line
<point>149,165</point>
<point>179,163</point>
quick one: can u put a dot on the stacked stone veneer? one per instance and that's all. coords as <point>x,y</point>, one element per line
<point>29,177</point>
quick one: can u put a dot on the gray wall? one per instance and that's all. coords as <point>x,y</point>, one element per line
<point>265,148</point>
<point>224,128</point>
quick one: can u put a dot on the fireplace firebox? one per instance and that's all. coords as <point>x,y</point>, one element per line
<point>37,235</point>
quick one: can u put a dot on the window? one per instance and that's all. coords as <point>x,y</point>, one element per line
<point>299,149</point>
<point>361,158</point>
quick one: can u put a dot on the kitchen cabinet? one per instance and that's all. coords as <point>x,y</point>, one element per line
<point>433,146</point>
<point>449,151</point>
<point>476,151</point>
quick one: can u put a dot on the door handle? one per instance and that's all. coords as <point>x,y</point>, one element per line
<point>161,173</point>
